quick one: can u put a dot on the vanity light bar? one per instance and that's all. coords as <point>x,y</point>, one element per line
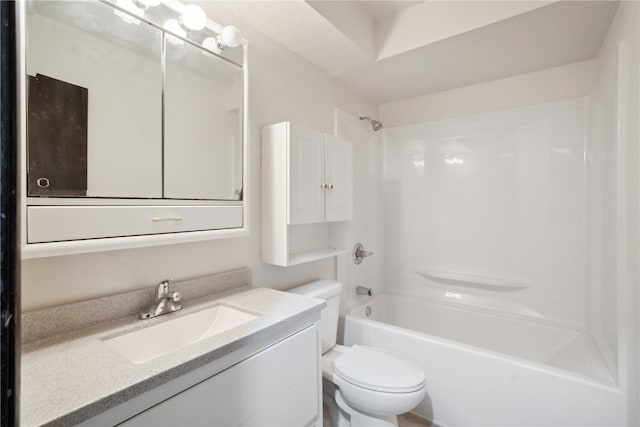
<point>190,18</point>
<point>193,18</point>
<point>217,28</point>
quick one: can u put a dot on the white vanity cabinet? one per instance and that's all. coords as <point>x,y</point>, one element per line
<point>306,194</point>
<point>279,386</point>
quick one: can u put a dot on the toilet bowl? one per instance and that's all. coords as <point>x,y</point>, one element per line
<point>367,386</point>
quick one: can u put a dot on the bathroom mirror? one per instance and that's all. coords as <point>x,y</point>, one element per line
<point>203,148</point>
<point>94,103</point>
<point>117,108</point>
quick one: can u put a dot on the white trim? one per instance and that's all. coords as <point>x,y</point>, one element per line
<point>41,250</point>
<point>22,120</point>
<point>621,207</point>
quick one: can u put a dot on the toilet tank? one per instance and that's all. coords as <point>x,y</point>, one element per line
<point>330,291</point>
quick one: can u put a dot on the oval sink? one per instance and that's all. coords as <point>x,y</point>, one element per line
<point>146,344</point>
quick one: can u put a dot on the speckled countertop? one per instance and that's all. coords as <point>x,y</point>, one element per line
<point>72,377</point>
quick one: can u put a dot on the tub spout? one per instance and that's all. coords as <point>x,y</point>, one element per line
<point>362,290</point>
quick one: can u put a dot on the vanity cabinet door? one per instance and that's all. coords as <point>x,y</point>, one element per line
<point>278,386</point>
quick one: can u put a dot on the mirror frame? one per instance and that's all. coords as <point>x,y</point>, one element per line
<point>69,247</point>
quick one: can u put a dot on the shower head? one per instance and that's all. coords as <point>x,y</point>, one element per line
<point>375,124</point>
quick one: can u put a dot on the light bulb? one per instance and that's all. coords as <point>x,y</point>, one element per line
<point>145,4</point>
<point>150,3</point>
<point>193,18</point>
<point>229,37</point>
<point>173,26</point>
<point>130,7</point>
<point>210,43</point>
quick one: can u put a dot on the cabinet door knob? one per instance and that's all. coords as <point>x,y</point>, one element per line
<point>43,182</point>
<point>330,186</point>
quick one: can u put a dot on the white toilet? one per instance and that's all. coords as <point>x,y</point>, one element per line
<point>369,386</point>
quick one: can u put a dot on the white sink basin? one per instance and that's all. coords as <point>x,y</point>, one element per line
<point>148,343</point>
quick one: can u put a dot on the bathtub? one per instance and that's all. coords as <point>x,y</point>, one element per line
<point>484,369</point>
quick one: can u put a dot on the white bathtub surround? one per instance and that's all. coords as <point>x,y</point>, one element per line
<point>485,370</point>
<point>531,339</point>
<point>521,217</point>
<point>491,198</point>
<point>613,202</point>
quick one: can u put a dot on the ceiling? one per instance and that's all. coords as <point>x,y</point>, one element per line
<point>390,50</point>
<point>377,10</point>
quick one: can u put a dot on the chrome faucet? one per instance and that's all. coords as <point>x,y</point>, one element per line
<point>165,302</point>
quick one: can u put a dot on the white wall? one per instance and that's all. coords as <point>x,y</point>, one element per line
<point>613,186</point>
<point>282,87</point>
<point>553,84</point>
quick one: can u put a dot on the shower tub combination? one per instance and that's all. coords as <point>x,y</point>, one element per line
<point>485,369</point>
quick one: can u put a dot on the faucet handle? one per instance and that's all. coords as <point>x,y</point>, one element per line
<point>359,253</point>
<point>163,288</point>
<point>175,296</point>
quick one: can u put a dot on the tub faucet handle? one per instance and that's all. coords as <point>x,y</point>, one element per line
<point>359,253</point>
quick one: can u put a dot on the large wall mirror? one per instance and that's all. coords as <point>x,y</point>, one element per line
<point>210,90</point>
<point>121,109</point>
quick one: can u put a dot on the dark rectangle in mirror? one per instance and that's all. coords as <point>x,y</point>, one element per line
<point>56,137</point>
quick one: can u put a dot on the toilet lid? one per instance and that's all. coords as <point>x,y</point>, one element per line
<point>378,370</point>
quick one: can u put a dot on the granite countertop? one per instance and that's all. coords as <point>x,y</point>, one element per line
<point>72,377</point>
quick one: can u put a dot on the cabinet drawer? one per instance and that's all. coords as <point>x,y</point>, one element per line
<point>294,408</point>
<point>249,391</point>
<point>62,223</point>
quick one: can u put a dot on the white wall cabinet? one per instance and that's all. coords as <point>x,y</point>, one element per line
<point>279,386</point>
<point>306,194</point>
<point>319,178</point>
<point>122,149</point>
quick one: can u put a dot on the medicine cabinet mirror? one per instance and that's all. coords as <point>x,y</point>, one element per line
<point>120,112</point>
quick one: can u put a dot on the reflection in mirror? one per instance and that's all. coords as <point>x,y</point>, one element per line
<point>102,76</point>
<point>202,148</point>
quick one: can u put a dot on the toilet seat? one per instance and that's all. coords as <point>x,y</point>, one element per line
<point>378,371</point>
